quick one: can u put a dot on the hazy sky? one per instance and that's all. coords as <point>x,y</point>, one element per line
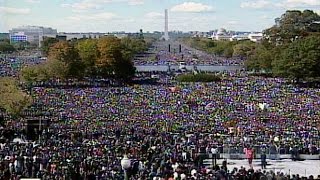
<point>132,15</point>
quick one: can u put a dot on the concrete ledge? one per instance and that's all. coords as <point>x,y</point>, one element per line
<point>270,156</point>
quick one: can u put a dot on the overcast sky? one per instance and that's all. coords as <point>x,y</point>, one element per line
<point>132,15</point>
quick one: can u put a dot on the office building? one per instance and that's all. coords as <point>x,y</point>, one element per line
<point>32,34</point>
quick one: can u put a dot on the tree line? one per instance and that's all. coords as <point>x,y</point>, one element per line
<point>290,48</point>
<point>106,57</point>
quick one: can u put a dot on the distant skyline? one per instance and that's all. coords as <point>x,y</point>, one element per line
<point>132,15</point>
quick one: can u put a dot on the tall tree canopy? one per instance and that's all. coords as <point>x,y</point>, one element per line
<point>300,60</point>
<point>47,43</point>
<point>105,57</point>
<point>12,98</point>
<point>293,25</point>
<point>6,47</point>
<point>67,56</point>
<point>88,52</point>
<point>243,49</point>
<point>111,60</point>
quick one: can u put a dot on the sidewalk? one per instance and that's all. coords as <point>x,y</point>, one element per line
<point>286,166</point>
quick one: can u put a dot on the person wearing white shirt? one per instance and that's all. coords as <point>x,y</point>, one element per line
<point>214,152</point>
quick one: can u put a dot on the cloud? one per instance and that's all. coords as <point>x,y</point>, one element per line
<point>81,6</point>
<point>303,2</point>
<point>266,17</point>
<point>192,7</point>
<point>284,4</point>
<point>154,15</point>
<point>135,2</point>
<point>9,10</point>
<point>93,17</point>
<point>33,1</point>
<point>232,22</point>
<point>256,4</point>
<point>85,5</point>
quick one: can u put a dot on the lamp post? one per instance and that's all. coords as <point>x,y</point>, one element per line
<point>126,165</point>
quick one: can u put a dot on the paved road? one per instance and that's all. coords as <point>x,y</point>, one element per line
<point>159,55</point>
<point>286,166</point>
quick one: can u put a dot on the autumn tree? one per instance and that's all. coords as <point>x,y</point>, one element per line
<point>88,53</point>
<point>111,61</point>
<point>47,43</point>
<point>67,56</point>
<point>12,98</point>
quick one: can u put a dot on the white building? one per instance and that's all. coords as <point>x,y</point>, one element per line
<point>34,34</point>
<point>89,35</point>
<point>255,37</point>
<point>221,35</point>
<point>240,37</point>
<point>199,34</point>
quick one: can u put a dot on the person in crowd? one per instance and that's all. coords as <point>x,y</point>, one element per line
<point>90,127</point>
<point>249,152</point>
<point>263,157</point>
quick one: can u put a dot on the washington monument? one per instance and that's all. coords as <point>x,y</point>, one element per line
<point>166,34</point>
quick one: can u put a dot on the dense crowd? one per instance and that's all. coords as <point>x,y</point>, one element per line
<point>11,64</point>
<point>166,129</point>
<point>162,56</point>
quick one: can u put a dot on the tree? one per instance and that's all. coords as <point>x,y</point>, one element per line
<point>36,73</point>
<point>111,61</point>
<point>47,43</point>
<point>56,69</point>
<point>109,49</point>
<point>293,25</point>
<point>68,56</point>
<point>6,47</point>
<point>29,74</point>
<point>300,60</point>
<point>132,46</point>
<point>260,58</point>
<point>243,49</point>
<point>88,52</point>
<point>13,99</point>
<point>124,69</point>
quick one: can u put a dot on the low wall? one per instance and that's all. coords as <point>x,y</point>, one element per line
<point>269,156</point>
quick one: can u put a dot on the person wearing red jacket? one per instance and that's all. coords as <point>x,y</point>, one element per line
<point>249,155</point>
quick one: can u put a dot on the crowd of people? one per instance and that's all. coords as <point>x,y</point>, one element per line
<point>11,64</point>
<point>161,55</point>
<point>165,129</point>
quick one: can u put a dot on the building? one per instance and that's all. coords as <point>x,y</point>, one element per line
<point>221,35</point>
<point>199,34</point>
<point>240,37</point>
<point>4,36</point>
<point>32,34</point>
<point>224,35</point>
<point>255,37</point>
<point>18,37</point>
